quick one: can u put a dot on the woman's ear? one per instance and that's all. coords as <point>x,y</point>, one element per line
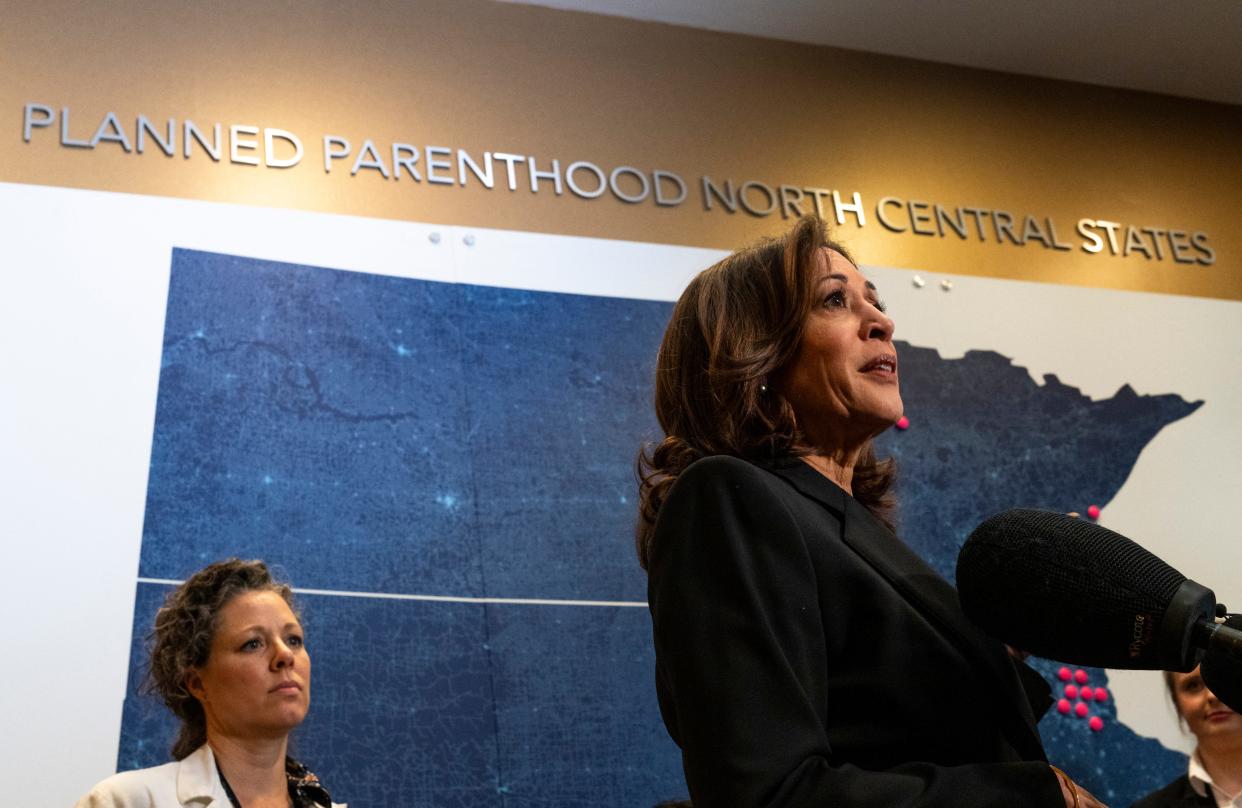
<point>194,684</point>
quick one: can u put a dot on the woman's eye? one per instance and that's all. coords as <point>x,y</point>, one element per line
<point>250,645</point>
<point>879,304</point>
<point>835,300</point>
<point>294,641</point>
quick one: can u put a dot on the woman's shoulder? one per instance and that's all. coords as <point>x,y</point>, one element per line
<point>716,469</point>
<point>139,788</point>
<point>184,781</point>
<point>745,483</point>
<point>724,491</point>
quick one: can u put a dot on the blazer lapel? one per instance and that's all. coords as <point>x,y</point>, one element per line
<point>197,780</point>
<point>1193,798</point>
<point>922,587</point>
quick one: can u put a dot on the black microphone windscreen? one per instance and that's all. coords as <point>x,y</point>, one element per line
<point>1066,589</point>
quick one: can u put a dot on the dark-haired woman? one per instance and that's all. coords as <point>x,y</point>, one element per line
<point>804,655</point>
<point>229,659</point>
<point>1214,776</point>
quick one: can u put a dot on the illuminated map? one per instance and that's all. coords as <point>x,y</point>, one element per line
<point>378,435</point>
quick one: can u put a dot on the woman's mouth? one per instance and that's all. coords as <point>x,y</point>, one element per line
<point>884,363</point>
<point>286,687</point>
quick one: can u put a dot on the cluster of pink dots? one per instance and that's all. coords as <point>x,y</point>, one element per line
<point>1076,688</point>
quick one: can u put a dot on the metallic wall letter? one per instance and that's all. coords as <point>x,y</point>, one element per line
<point>727,197</point>
<point>879,213</point>
<point>269,148</point>
<point>465,161</point>
<point>1200,242</point>
<point>1181,248</point>
<point>918,216</point>
<point>373,162</point>
<point>47,116</point>
<point>536,175</point>
<point>509,160</point>
<point>1157,235</point>
<point>111,131</point>
<point>434,165</point>
<point>768,192</point>
<point>601,182</point>
<point>956,223</point>
<point>145,127</point>
<point>791,201</point>
<point>659,177</point>
<point>855,207</point>
<point>65,140</point>
<point>643,183</point>
<point>330,153</point>
<point>404,156</point>
<point>191,133</point>
<point>1097,243</point>
<point>235,143</point>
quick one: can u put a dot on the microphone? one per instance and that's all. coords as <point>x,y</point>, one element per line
<point>1071,590</point>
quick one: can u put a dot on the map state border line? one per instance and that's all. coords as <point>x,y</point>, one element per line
<point>438,598</point>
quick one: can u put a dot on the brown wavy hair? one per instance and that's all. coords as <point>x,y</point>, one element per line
<point>184,629</point>
<point>1171,687</point>
<point>735,326</point>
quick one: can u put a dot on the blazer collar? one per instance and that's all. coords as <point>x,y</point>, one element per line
<point>809,481</point>
<point>1191,797</point>
<point>1198,783</point>
<point>920,585</point>
<point>197,780</point>
<point>913,578</point>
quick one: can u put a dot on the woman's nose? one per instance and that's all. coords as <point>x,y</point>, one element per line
<point>282,656</point>
<point>878,326</point>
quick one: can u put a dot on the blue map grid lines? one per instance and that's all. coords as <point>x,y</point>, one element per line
<point>372,434</point>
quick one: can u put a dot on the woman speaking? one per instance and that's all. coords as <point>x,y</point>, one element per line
<point>804,655</point>
<point>229,659</point>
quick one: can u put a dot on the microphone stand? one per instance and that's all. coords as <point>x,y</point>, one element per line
<point>1221,667</point>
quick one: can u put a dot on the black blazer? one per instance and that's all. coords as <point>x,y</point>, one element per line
<point>1177,794</point>
<point>806,657</point>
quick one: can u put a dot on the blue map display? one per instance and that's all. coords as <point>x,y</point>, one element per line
<point>371,434</point>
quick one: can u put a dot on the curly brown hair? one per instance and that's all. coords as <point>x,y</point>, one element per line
<point>735,326</point>
<point>184,629</point>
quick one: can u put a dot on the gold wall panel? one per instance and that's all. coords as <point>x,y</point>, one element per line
<point>482,76</point>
